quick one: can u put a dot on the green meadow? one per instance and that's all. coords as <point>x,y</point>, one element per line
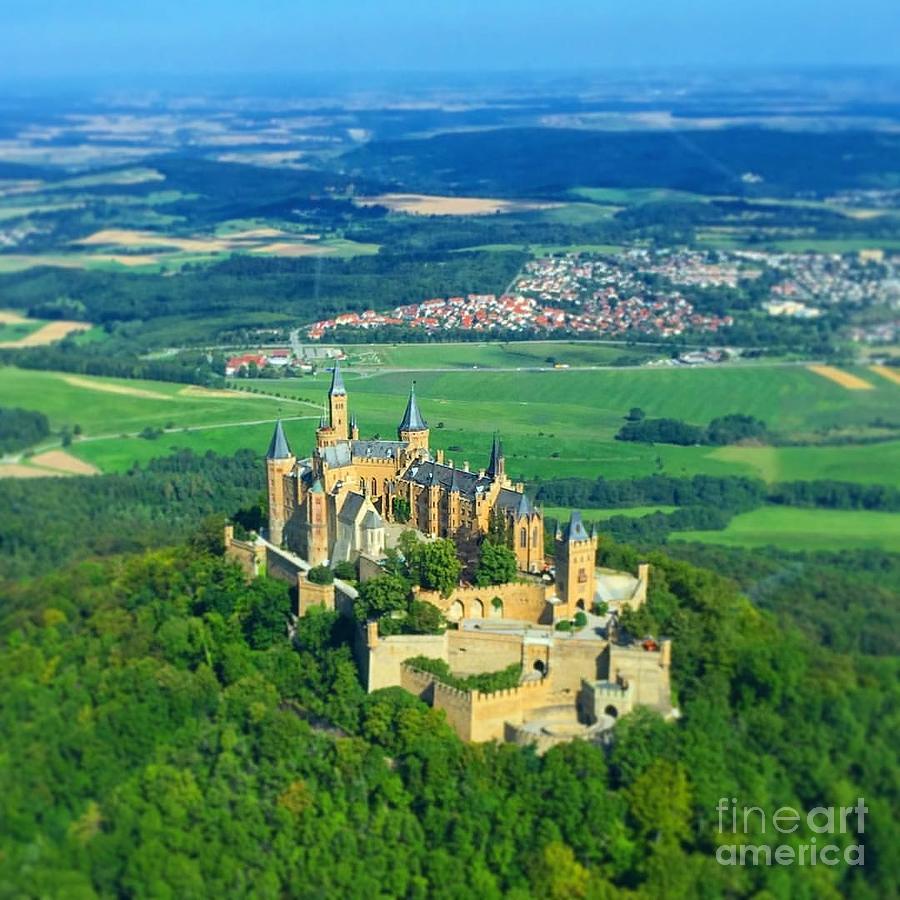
<point>554,423</point>
<point>788,528</point>
<point>562,423</point>
<point>492,355</point>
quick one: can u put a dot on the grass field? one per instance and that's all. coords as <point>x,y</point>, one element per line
<point>805,529</point>
<point>554,423</point>
<point>523,354</point>
<point>107,408</point>
<point>562,422</point>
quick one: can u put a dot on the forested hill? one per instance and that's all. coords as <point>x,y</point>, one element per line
<point>163,739</point>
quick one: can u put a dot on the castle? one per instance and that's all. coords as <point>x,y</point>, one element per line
<point>335,504</point>
<point>351,498</point>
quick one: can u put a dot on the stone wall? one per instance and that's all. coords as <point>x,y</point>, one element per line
<point>524,601</point>
<point>247,554</point>
<point>381,659</point>
<point>471,653</point>
<point>310,594</point>
<point>647,672</point>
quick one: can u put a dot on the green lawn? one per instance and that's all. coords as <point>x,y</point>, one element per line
<point>805,529</point>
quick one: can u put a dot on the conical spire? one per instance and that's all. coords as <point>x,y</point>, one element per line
<point>525,507</point>
<point>495,467</point>
<point>278,446</point>
<point>337,382</point>
<point>412,419</point>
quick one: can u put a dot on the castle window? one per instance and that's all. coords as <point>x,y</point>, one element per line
<point>523,537</point>
<point>582,576</point>
<point>374,486</point>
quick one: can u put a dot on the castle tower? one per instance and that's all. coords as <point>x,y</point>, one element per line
<point>413,428</point>
<point>497,466</point>
<point>576,555</point>
<point>528,536</point>
<point>354,429</point>
<point>337,405</point>
<point>316,525</point>
<point>279,463</point>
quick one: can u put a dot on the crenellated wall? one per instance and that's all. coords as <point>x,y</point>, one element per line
<point>475,716</point>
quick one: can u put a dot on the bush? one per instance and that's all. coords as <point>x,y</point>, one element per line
<point>320,575</point>
<point>600,608</point>
<point>564,625</point>
<point>580,619</point>
<point>345,570</point>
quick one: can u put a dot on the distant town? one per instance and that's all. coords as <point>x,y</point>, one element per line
<point>645,292</point>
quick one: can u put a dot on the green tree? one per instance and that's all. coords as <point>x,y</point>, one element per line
<point>496,564</point>
<point>435,565</point>
<point>381,596</point>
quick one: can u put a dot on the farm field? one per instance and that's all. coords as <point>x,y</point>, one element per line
<point>555,423</point>
<point>109,406</point>
<point>805,529</point>
<point>562,423</point>
<point>524,354</point>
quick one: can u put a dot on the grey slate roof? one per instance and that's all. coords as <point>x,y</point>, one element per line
<point>350,510</point>
<point>372,520</point>
<point>426,474</point>
<point>513,501</point>
<point>575,530</point>
<point>377,449</point>
<point>412,419</point>
<point>337,382</point>
<point>338,455</point>
<point>278,446</point>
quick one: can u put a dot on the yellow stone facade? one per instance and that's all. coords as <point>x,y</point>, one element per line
<point>328,507</point>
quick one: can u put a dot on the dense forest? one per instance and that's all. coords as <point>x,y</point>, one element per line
<point>20,428</point>
<point>49,521</point>
<point>548,161</point>
<point>178,745</point>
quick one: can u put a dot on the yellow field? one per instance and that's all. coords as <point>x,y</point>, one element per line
<point>60,461</point>
<point>16,470</point>
<point>107,388</point>
<point>11,318</point>
<point>886,372</point>
<point>52,331</point>
<point>123,237</point>
<point>844,379</point>
<point>433,205</point>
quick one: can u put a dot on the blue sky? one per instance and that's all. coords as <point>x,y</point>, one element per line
<point>147,37</point>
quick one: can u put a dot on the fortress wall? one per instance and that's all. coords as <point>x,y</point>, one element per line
<point>245,553</point>
<point>382,663</point>
<point>419,683</point>
<point>457,706</point>
<point>572,659</point>
<point>278,565</point>
<point>474,652</point>
<point>309,594</point>
<point>491,712</point>
<point>649,680</point>
<point>524,601</point>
